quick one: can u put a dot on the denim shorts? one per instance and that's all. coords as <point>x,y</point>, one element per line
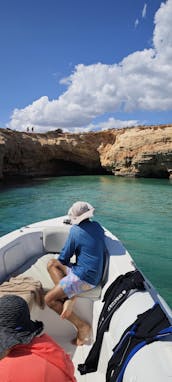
<point>73,285</point>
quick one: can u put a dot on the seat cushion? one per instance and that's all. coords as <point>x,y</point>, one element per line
<point>38,271</point>
<point>54,238</point>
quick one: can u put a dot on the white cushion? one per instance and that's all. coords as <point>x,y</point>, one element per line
<point>55,238</point>
<point>38,271</point>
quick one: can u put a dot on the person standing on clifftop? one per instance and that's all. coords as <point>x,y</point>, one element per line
<point>86,241</point>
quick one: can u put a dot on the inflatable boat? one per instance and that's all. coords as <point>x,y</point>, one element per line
<point>132,332</point>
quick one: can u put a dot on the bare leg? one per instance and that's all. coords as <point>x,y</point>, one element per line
<point>55,300</point>
<point>57,271</point>
<point>68,307</point>
<point>84,334</point>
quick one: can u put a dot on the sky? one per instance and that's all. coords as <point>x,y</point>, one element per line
<point>82,65</point>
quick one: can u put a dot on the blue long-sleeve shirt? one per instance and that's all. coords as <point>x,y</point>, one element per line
<point>86,240</point>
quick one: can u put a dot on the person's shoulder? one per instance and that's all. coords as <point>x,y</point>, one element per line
<point>96,224</point>
<point>75,228</point>
<point>44,341</point>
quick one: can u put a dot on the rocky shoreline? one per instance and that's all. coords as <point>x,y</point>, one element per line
<point>143,151</point>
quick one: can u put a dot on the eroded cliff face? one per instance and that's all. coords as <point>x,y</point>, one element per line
<point>137,151</point>
<point>141,151</point>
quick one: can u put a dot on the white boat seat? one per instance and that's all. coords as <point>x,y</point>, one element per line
<point>38,271</point>
<point>55,238</point>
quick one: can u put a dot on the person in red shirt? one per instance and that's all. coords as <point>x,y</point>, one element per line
<point>25,356</point>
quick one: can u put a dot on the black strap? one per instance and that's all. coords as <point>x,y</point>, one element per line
<point>115,295</point>
<point>147,328</point>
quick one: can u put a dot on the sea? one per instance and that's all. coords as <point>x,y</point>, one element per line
<point>138,211</point>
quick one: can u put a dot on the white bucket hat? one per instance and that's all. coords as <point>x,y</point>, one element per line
<point>80,211</point>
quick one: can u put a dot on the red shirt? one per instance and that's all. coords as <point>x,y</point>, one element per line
<point>40,361</point>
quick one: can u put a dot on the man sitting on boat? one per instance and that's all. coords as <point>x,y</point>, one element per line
<point>86,241</point>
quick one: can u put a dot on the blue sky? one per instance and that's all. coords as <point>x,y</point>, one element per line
<point>84,65</point>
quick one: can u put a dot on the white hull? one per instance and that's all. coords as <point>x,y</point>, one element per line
<point>21,248</point>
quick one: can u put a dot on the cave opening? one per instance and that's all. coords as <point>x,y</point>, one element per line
<point>62,167</point>
<point>153,172</point>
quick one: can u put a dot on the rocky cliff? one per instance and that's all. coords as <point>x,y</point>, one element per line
<point>138,151</point>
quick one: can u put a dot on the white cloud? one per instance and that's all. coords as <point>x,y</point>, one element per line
<point>144,10</point>
<point>141,81</point>
<point>136,23</point>
<point>112,123</point>
<point>143,15</point>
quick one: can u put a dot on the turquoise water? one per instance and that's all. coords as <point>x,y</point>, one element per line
<point>138,211</point>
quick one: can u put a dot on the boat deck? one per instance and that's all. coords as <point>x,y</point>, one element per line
<point>23,253</point>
